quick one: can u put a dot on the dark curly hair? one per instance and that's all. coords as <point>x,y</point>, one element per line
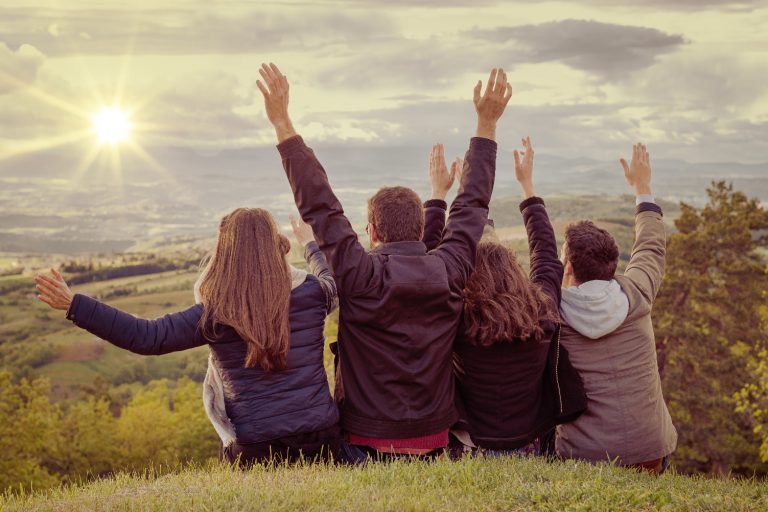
<point>592,252</point>
<point>501,303</point>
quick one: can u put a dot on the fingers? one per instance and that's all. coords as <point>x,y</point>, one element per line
<point>529,153</point>
<point>501,82</point>
<point>57,275</point>
<point>440,153</point>
<point>455,166</point>
<point>508,94</point>
<point>476,96</point>
<point>625,166</point>
<point>42,278</point>
<point>275,81</point>
<point>261,87</point>
<point>294,224</point>
<point>48,300</point>
<point>491,82</point>
<point>48,289</point>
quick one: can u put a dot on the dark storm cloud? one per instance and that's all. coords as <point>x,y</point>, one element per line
<point>603,48</point>
<point>176,31</point>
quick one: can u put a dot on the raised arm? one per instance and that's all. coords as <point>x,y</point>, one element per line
<point>469,211</point>
<point>546,267</point>
<point>170,333</point>
<point>646,265</point>
<point>317,264</point>
<point>441,181</point>
<point>318,205</point>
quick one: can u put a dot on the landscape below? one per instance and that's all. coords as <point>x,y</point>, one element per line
<point>95,417</point>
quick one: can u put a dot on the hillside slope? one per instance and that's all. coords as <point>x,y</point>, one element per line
<point>471,484</point>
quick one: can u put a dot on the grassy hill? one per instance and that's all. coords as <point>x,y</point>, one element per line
<point>472,484</point>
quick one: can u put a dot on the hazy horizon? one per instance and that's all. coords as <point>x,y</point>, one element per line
<point>373,86</point>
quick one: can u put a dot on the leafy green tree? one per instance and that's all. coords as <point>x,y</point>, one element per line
<point>145,433</point>
<point>707,324</point>
<point>196,439</point>
<point>87,440</point>
<point>752,399</point>
<point>28,431</point>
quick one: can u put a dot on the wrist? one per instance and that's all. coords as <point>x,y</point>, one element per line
<point>643,189</point>
<point>440,196</point>
<point>527,189</point>
<point>486,128</point>
<point>284,129</point>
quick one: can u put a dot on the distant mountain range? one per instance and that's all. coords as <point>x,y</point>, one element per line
<point>47,207</point>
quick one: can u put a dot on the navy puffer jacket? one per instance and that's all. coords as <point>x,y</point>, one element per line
<point>261,405</point>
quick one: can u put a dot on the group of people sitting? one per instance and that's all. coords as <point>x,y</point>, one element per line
<point>446,346</point>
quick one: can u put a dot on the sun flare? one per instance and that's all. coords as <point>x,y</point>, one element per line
<point>111,125</point>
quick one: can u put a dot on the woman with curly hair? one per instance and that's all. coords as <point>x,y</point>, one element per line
<point>514,381</point>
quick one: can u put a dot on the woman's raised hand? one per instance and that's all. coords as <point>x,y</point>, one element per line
<point>524,168</point>
<point>53,290</point>
<point>302,231</point>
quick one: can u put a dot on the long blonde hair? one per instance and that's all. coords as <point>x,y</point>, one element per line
<point>247,286</point>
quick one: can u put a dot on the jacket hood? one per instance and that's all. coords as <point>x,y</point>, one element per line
<point>594,308</point>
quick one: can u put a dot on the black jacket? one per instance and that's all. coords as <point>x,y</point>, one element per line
<point>509,393</point>
<point>399,304</point>
<point>261,405</point>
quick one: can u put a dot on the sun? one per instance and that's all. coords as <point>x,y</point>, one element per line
<point>111,125</point>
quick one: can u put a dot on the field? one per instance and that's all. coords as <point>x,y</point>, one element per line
<point>37,341</point>
<point>471,484</point>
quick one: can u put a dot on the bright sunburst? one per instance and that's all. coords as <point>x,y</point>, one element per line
<point>111,125</point>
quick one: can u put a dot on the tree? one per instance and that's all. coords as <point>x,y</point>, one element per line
<point>752,399</point>
<point>28,431</point>
<point>87,442</point>
<point>707,324</point>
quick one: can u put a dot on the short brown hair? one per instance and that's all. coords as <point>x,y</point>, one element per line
<point>397,214</point>
<point>592,252</point>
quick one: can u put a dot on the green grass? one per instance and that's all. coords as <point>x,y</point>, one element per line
<point>472,484</point>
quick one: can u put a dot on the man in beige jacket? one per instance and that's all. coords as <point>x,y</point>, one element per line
<point>609,336</point>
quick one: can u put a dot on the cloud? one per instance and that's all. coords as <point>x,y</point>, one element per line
<point>18,68</point>
<point>737,5</point>
<point>604,48</point>
<point>109,31</point>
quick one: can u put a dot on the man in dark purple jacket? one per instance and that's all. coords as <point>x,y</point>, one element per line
<point>399,304</point>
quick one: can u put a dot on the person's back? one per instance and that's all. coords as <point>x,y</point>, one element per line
<point>266,391</point>
<point>609,336</point>
<point>264,405</point>
<point>508,388</point>
<point>399,305</point>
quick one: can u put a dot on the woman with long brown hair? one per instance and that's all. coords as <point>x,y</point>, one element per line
<point>513,380</point>
<point>266,391</point>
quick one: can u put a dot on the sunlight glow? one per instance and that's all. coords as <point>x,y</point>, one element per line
<point>111,125</point>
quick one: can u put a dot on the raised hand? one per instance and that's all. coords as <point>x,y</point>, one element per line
<point>491,104</point>
<point>302,231</point>
<point>276,100</point>
<point>439,177</point>
<point>638,172</point>
<point>524,168</point>
<point>53,290</point>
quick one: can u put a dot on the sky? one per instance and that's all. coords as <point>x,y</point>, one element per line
<point>590,77</point>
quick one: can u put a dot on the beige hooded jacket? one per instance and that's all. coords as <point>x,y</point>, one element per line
<point>614,351</point>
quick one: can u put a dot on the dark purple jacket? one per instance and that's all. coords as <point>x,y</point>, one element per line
<point>262,405</point>
<point>511,392</point>
<point>399,304</point>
